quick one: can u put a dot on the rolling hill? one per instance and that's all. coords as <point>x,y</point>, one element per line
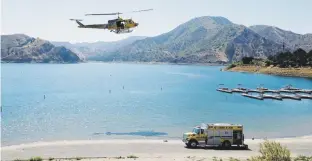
<point>292,40</point>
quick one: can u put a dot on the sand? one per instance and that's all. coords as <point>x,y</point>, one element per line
<point>149,150</point>
<point>291,72</point>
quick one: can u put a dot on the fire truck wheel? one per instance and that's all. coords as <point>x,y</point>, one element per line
<point>192,144</point>
<point>226,144</point>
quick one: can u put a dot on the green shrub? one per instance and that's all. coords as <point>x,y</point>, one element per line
<point>35,159</point>
<point>231,66</point>
<point>268,63</point>
<point>216,159</point>
<point>120,157</point>
<point>272,151</point>
<point>233,159</point>
<point>132,156</point>
<point>303,158</point>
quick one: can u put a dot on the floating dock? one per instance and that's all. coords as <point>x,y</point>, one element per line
<point>271,91</point>
<point>262,88</point>
<point>294,97</point>
<point>305,96</point>
<point>226,90</point>
<point>254,90</point>
<point>252,96</point>
<point>290,88</point>
<point>240,90</point>
<point>303,91</point>
<point>269,96</point>
<point>286,91</point>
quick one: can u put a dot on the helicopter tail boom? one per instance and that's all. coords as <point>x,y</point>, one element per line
<point>78,21</point>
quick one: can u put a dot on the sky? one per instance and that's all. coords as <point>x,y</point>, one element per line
<point>49,19</point>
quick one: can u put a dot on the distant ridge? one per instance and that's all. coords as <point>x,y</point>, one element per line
<point>87,50</point>
<point>206,39</point>
<point>201,40</point>
<point>20,48</point>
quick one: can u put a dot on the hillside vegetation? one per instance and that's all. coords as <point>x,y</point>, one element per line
<point>297,63</point>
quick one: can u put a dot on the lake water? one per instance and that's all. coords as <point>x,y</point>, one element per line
<point>168,99</point>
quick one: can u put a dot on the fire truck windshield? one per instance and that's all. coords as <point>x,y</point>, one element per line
<point>196,130</point>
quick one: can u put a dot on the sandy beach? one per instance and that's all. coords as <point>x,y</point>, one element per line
<point>290,72</point>
<point>152,150</point>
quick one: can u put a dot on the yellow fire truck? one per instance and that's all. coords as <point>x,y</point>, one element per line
<point>223,135</point>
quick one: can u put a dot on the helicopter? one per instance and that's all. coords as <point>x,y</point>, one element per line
<point>118,25</point>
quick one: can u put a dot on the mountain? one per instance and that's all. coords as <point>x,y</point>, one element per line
<point>291,39</point>
<point>200,40</point>
<point>22,48</point>
<point>86,50</point>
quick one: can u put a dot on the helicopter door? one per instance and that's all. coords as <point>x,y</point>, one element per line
<point>122,25</point>
<point>118,23</point>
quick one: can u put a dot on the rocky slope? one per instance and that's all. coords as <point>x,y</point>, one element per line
<point>200,40</point>
<point>21,48</point>
<point>290,39</point>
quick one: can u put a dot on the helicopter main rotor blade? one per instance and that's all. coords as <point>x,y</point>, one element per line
<point>98,14</point>
<point>143,10</point>
<point>117,13</point>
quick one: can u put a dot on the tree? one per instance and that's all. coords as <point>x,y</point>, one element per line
<point>309,58</point>
<point>300,57</point>
<point>247,60</point>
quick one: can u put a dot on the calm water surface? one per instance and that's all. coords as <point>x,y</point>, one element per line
<point>167,99</point>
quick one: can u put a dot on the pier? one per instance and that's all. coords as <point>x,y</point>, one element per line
<point>269,96</point>
<point>304,91</point>
<point>254,91</point>
<point>272,91</point>
<point>287,92</point>
<point>226,90</point>
<point>304,96</point>
<point>259,97</point>
<point>239,90</point>
<point>294,97</point>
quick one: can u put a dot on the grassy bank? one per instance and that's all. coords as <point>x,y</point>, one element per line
<point>292,72</point>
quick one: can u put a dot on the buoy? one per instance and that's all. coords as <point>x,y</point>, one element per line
<point>43,96</point>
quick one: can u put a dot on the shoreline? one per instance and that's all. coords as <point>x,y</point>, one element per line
<point>120,141</point>
<point>130,140</point>
<point>129,62</point>
<point>305,72</point>
<point>152,150</point>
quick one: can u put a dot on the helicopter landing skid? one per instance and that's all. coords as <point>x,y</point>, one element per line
<point>122,31</point>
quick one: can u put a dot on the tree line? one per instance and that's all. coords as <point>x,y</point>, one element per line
<point>298,58</point>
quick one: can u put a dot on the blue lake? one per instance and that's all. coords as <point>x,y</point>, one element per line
<point>91,100</point>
